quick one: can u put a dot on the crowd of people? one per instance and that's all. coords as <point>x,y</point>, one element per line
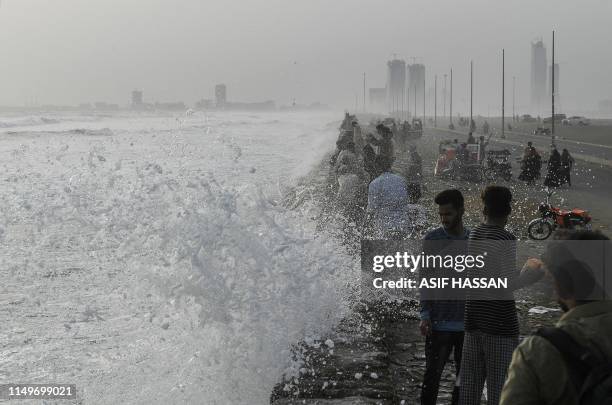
<point>480,328</point>
<point>368,191</point>
<point>559,167</point>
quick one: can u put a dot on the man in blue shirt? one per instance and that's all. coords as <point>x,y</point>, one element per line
<point>442,320</point>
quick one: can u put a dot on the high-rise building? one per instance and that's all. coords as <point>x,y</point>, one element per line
<point>416,86</point>
<point>220,95</point>
<point>136,98</point>
<point>396,85</point>
<point>538,76</point>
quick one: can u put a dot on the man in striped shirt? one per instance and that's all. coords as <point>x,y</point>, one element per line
<point>491,322</point>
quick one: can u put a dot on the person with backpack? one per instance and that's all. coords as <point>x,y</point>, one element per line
<point>570,364</point>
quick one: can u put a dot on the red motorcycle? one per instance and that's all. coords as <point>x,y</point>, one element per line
<point>552,218</point>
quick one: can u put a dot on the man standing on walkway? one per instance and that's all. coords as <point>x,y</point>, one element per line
<point>491,322</point>
<point>542,374</point>
<point>442,320</point>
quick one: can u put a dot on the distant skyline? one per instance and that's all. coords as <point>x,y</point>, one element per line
<point>74,51</point>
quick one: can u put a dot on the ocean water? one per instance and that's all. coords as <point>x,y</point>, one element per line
<point>149,258</point>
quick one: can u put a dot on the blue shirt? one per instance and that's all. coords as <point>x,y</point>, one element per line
<point>450,312</point>
<point>388,204</point>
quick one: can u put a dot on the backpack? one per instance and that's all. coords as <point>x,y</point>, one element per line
<point>590,374</point>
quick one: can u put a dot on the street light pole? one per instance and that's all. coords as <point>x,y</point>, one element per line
<point>436,101</point>
<point>451,97</point>
<point>444,97</point>
<point>513,99</point>
<point>503,93</point>
<point>423,102</point>
<point>553,90</point>
<point>471,92</point>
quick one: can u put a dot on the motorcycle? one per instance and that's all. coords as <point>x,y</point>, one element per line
<point>552,218</point>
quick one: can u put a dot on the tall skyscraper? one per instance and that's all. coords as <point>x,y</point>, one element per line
<point>136,98</point>
<point>416,83</point>
<point>220,95</point>
<point>396,85</point>
<point>538,77</point>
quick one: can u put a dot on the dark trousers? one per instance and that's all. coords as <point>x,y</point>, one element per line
<point>438,347</point>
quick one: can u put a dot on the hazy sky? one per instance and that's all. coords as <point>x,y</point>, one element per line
<point>72,51</point>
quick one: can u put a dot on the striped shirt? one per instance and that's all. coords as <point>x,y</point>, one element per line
<point>493,312</point>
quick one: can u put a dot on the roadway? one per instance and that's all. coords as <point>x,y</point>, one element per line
<point>591,176</point>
